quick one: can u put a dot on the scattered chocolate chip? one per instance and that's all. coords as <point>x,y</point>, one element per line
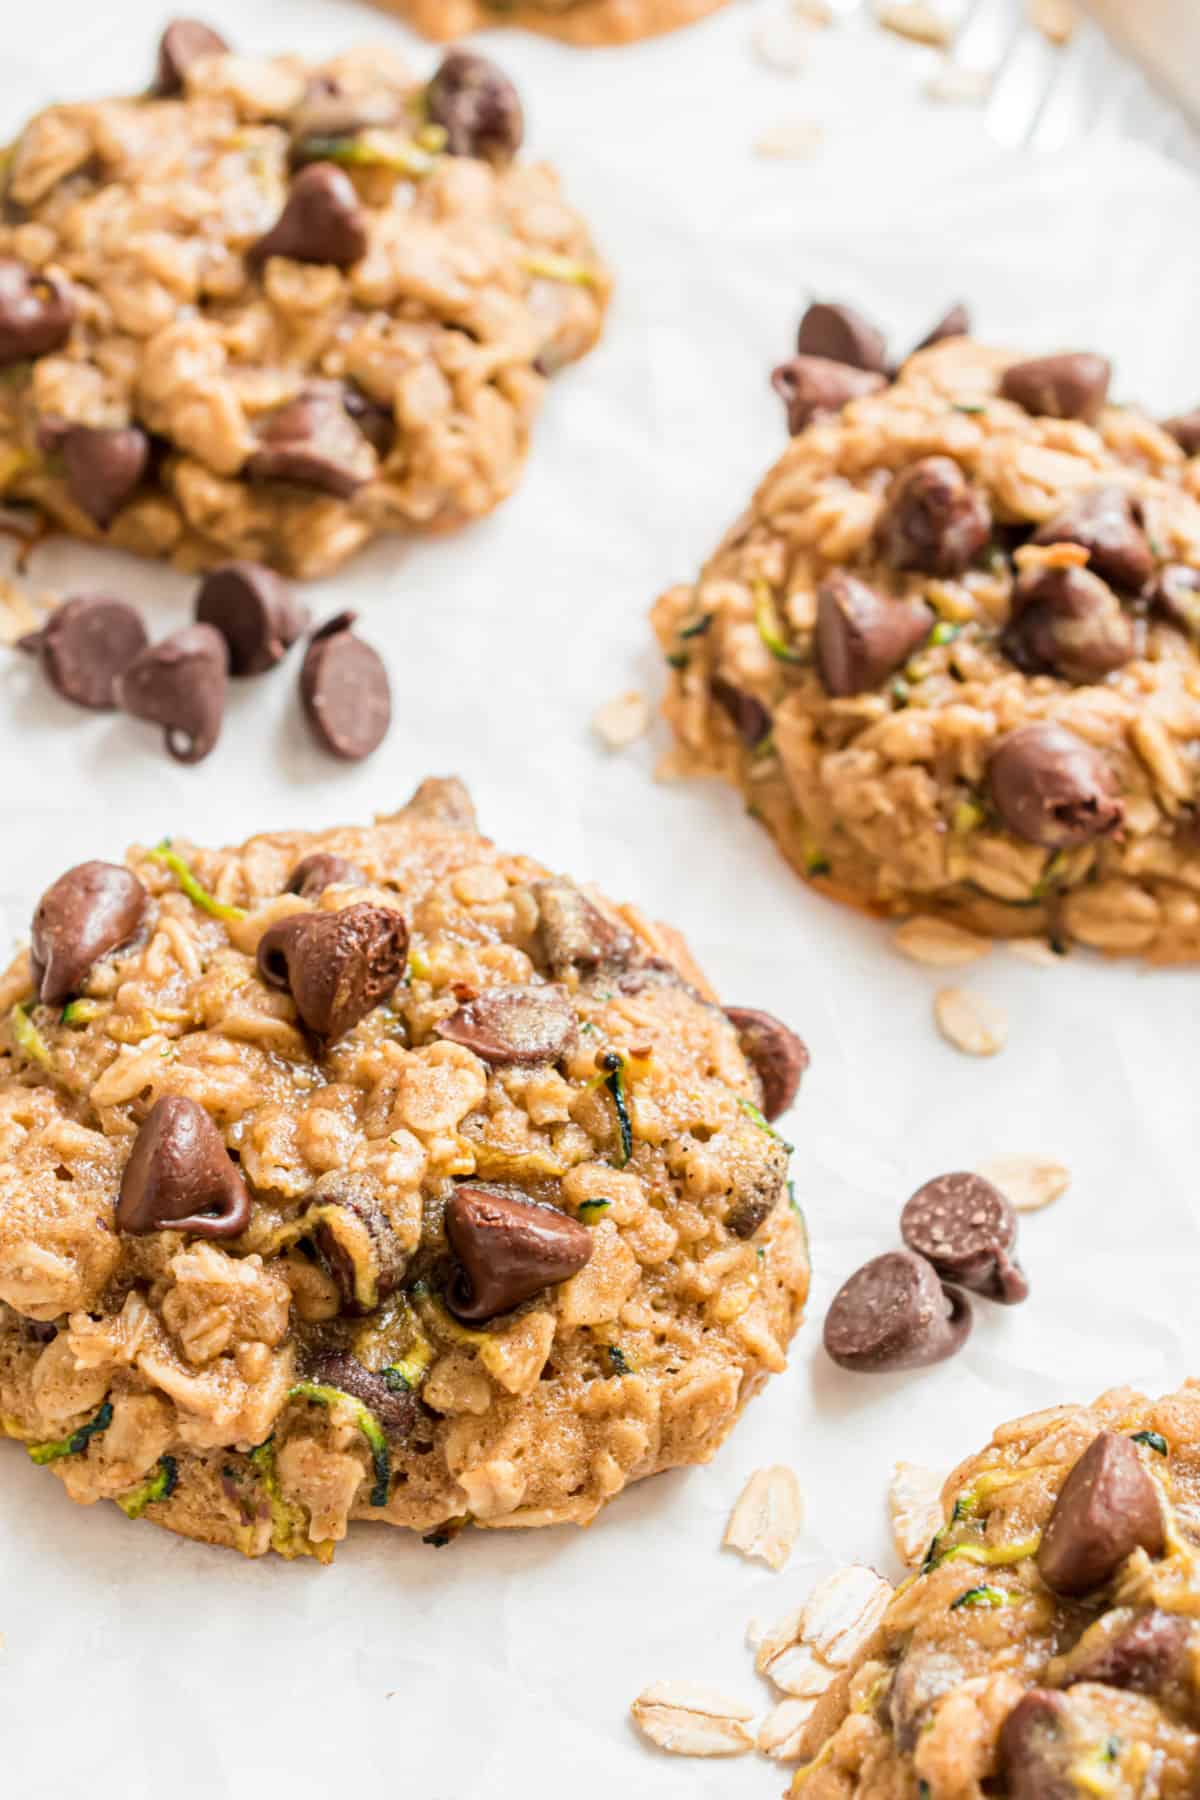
<point>933,520</point>
<point>575,936</point>
<point>1185,429</point>
<point>842,336</point>
<point>180,684</point>
<point>1175,592</point>
<point>313,443</point>
<point>337,966</point>
<point>1070,386</point>
<point>967,1230</point>
<point>1037,1748</point>
<point>777,1056</point>
<point>1105,523</point>
<point>1052,788</point>
<point>954,323</point>
<point>749,716</point>
<point>1067,622</point>
<point>477,107</point>
<point>893,1313</point>
<point>377,423</point>
<point>85,645</point>
<point>1106,1508</point>
<point>254,611</point>
<point>861,637</point>
<point>184,42</point>
<point>356,1241</point>
<point>1143,1656</point>
<point>394,1405</point>
<point>36,312</point>
<point>508,1249</point>
<point>514,1025</point>
<point>313,874</point>
<point>92,909</point>
<point>345,691</point>
<point>443,800</point>
<point>322,221</point>
<point>812,387</point>
<point>179,1176</point>
<point>103,468</point>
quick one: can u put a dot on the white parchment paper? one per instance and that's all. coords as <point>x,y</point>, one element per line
<point>138,1665</point>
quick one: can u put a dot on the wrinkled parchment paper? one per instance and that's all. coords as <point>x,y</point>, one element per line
<point>138,1665</point>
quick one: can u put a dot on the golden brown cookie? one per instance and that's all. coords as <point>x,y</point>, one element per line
<point>583,22</point>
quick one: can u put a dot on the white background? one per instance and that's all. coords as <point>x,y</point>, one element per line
<point>138,1665</point>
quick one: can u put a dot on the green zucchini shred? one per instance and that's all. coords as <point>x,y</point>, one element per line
<point>982,1596</point>
<point>944,632</point>
<point>696,627</point>
<point>901,692</point>
<point>1048,878</point>
<point>198,895</point>
<point>289,1525</point>
<point>755,1114</point>
<point>1153,1440</point>
<point>367,1423</point>
<point>370,150</point>
<point>614,1080</point>
<point>971,408</point>
<point>621,1364</point>
<point>997,1556</point>
<point>56,1448</point>
<point>553,267</point>
<point>770,627</point>
<point>967,815</point>
<point>80,1012</point>
<point>28,1038</point>
<point>678,659</point>
<point>407,1375</point>
<point>592,1210</point>
<point>158,1486</point>
<point>447,1531</point>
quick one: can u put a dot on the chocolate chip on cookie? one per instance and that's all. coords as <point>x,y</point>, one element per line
<point>184,42</point>
<point>574,936</point>
<point>967,1230</point>
<point>933,520</point>
<point>180,684</point>
<point>893,1313</point>
<point>862,637</point>
<point>1144,1656</point>
<point>91,910</point>
<point>345,691</point>
<point>746,712</point>
<point>477,107</point>
<point>841,335</point>
<point>37,312</point>
<point>312,442</point>
<point>313,874</point>
<point>356,1241</point>
<point>520,1025</point>
<point>777,1056</point>
<point>394,1405</point>
<point>812,387</point>
<point>1070,386</point>
<point>1175,593</point>
<point>85,645</point>
<point>955,322</point>
<point>1037,1750</point>
<point>103,467</point>
<point>1067,622</point>
<point>508,1249</point>
<point>1107,1508</point>
<point>1050,787</point>
<point>255,612</point>
<point>1185,429</point>
<point>1105,524</point>
<point>337,966</point>
<point>180,1177</point>
<point>321,222</point>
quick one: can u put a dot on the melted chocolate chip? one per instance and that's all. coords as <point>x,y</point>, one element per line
<point>255,612</point>
<point>955,322</point>
<point>508,1249</point>
<point>1185,429</point>
<point>85,645</point>
<point>933,520</point>
<point>967,1230</point>
<point>1175,593</point>
<point>1105,524</point>
<point>184,42</point>
<point>313,874</point>
<point>345,691</point>
<point>777,1056</point>
<point>321,222</point>
<point>861,636</point>
<point>1143,1656</point>
<point>477,107</point>
<point>575,936</point>
<point>179,1176</point>
<point>1107,1508</point>
<point>514,1025</point>
<point>337,966</point>
<point>180,684</point>
<point>843,336</point>
<point>748,715</point>
<point>36,312</point>
<point>812,387</point>
<point>103,468</point>
<point>1070,386</point>
<point>1037,1748</point>
<point>893,1313</point>
<point>1067,622</point>
<point>1052,788</point>
<point>394,1405</point>
<point>312,442</point>
<point>91,910</point>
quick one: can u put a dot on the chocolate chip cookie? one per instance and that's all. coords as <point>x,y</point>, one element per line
<point>274,309</point>
<point>950,652</point>
<point>379,1174</point>
<point>1048,1643</point>
<point>581,22</point>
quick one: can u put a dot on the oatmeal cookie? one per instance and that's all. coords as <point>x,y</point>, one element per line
<point>949,654</point>
<point>1049,1645</point>
<point>378,1174</point>
<point>273,309</point>
<point>584,22</point>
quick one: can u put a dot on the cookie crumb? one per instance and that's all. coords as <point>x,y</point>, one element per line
<point>793,140</point>
<point>914,1500</point>
<point>972,1024</point>
<point>938,943</point>
<point>1057,20</point>
<point>768,1516</point>
<point>622,720</point>
<point>1027,1182</point>
<point>687,1718</point>
<point>915,19</point>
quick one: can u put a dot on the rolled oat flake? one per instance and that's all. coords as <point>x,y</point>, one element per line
<point>345,690</point>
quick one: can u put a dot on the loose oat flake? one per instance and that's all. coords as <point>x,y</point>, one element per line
<point>915,19</point>
<point>781,44</point>
<point>954,85</point>
<point>622,720</point>
<point>803,1653</point>
<point>782,1731</point>
<point>817,12</point>
<point>938,943</point>
<point>915,1509</point>
<point>793,140</point>
<point>1055,19</point>
<point>768,1516</point>
<point>689,1719</point>
<point>1028,1182</point>
<point>1033,950</point>
<point>972,1024</point>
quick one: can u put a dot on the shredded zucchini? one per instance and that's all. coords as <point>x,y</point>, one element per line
<point>447,1531</point>
<point>613,1063</point>
<point>56,1448</point>
<point>592,1211</point>
<point>373,149</point>
<point>996,1556</point>
<point>289,1524</point>
<point>28,1038</point>
<point>770,626</point>
<point>198,895</point>
<point>158,1486</point>
<point>553,267</point>
<point>1153,1440</point>
<point>944,632</point>
<point>621,1364</point>
<point>982,1596</point>
<point>367,1423</point>
<point>753,1112</point>
<point>81,1012</point>
<point>966,816</point>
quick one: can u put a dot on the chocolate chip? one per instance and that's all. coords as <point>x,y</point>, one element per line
<point>36,312</point>
<point>254,611</point>
<point>327,112</point>
<point>575,936</point>
<point>843,336</point>
<point>1185,429</point>
<point>777,1056</point>
<point>861,637</point>
<point>337,966</point>
<point>1175,592</point>
<point>477,107</point>
<point>1067,622</point>
<point>967,1230</point>
<point>956,322</point>
<point>179,1176</point>
<point>508,1249</point>
<point>377,423</point>
<point>1070,386</point>
<point>514,1025</point>
<point>321,222</point>
<point>749,716</point>
<point>184,42</point>
<point>313,443</point>
<point>85,645</point>
<point>1145,1655</point>
<point>395,1406</point>
<point>356,1241</point>
<point>933,520</point>
<point>758,1181</point>
<point>443,800</point>
<point>1052,788</point>
<point>1038,1749</point>
<point>345,691</point>
<point>103,468</point>
<point>893,1313</point>
<point>1107,1508</point>
<point>812,387</point>
<point>313,874</point>
<point>1105,523</point>
<point>180,684</point>
<point>92,909</point>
